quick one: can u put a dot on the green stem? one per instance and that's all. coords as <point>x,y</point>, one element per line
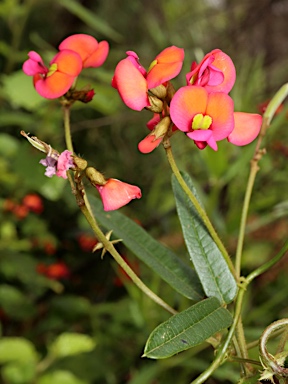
<point>269,263</point>
<point>86,210</point>
<point>111,249</point>
<point>272,107</point>
<point>238,305</point>
<point>68,138</point>
<point>254,168</point>
<point>195,202</point>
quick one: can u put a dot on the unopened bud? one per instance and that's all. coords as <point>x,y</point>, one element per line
<point>80,163</point>
<point>159,91</point>
<point>94,176</point>
<point>162,127</point>
<point>84,95</point>
<point>156,105</point>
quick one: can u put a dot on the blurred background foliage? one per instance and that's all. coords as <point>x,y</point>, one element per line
<point>67,316</point>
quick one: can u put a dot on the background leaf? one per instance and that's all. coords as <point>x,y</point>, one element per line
<point>17,349</point>
<point>159,258</point>
<point>60,377</point>
<point>213,271</point>
<point>71,343</point>
<point>187,329</point>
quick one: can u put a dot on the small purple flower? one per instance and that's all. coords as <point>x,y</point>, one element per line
<point>50,164</point>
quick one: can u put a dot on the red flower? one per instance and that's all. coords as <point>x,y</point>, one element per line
<point>209,117</point>
<point>54,271</point>
<point>86,242</point>
<point>56,80</point>
<point>33,202</point>
<point>133,82</point>
<point>216,72</point>
<point>115,194</point>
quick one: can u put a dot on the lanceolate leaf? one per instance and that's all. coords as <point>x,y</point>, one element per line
<point>187,329</point>
<point>159,258</point>
<point>213,271</point>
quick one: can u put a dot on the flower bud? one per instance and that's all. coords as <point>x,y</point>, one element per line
<point>159,91</point>
<point>162,127</point>
<point>156,105</point>
<point>80,163</point>
<point>95,177</point>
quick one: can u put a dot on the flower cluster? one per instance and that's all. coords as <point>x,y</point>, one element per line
<point>75,53</point>
<point>202,109</point>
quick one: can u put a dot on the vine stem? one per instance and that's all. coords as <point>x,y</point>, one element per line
<point>109,247</point>
<point>85,207</point>
<point>221,355</point>
<point>195,202</point>
<point>67,130</point>
<point>272,107</point>
<point>254,168</point>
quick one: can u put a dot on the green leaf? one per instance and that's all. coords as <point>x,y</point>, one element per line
<point>187,329</point>
<point>18,89</point>
<point>60,377</point>
<point>19,373</point>
<point>8,145</point>
<point>68,344</point>
<point>159,258</point>
<point>17,349</point>
<point>216,278</point>
<point>14,303</point>
<point>70,307</point>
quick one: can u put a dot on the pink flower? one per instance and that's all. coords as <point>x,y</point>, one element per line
<point>58,166</point>
<point>64,163</point>
<point>115,194</point>
<point>149,143</point>
<point>216,72</point>
<point>92,53</point>
<point>133,82</point>
<point>209,117</point>
<point>56,80</point>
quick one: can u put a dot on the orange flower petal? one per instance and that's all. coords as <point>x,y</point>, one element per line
<point>97,58</point>
<point>83,44</point>
<point>68,62</point>
<point>246,129</point>
<point>170,55</point>
<point>54,86</point>
<point>186,103</point>
<point>168,65</point>
<point>220,107</point>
